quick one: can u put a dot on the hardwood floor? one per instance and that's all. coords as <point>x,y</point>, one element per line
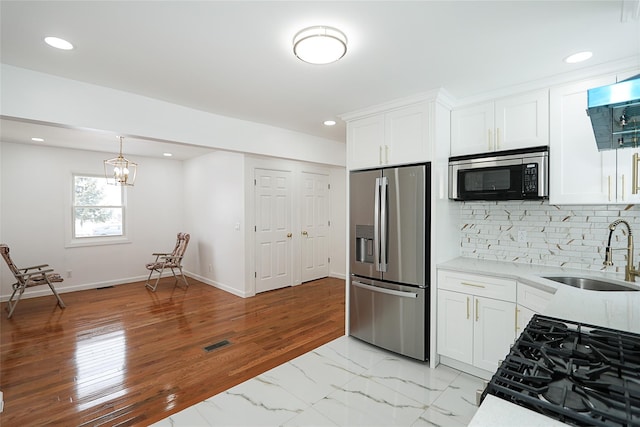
<point>127,356</point>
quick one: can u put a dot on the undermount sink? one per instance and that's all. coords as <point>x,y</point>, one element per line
<point>590,284</point>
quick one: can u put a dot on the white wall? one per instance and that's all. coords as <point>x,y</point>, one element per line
<point>339,236</point>
<point>214,189</point>
<point>36,183</point>
<point>42,97</point>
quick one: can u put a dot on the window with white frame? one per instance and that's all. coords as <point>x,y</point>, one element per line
<point>98,208</point>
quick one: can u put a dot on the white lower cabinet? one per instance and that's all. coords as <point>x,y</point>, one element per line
<point>476,318</point>
<point>531,301</point>
<point>523,316</point>
<point>493,332</point>
<point>455,329</point>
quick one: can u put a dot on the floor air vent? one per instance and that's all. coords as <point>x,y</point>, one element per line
<point>216,345</point>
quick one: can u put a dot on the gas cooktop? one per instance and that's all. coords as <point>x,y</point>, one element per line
<point>579,374</point>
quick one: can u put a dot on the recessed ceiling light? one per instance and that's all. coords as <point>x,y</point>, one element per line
<point>58,43</point>
<point>319,45</point>
<point>37,139</point>
<point>578,57</point>
<point>167,154</point>
<point>329,122</point>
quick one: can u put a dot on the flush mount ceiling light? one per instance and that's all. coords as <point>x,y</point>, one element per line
<point>58,43</point>
<point>329,122</point>
<point>578,57</point>
<point>319,44</point>
<point>120,171</point>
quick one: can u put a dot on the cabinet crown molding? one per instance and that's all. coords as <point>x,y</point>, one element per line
<point>436,95</point>
<point>548,82</point>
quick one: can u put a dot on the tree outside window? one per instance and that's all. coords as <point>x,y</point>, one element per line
<point>98,208</point>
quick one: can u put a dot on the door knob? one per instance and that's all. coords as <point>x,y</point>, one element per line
<point>289,235</point>
<point>304,233</point>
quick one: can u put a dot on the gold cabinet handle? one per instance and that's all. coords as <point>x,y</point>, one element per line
<point>289,235</point>
<point>304,233</point>
<point>517,311</point>
<point>468,308</point>
<point>489,145</point>
<point>380,154</point>
<point>634,174</point>
<point>386,154</point>
<point>472,284</point>
<point>477,311</point>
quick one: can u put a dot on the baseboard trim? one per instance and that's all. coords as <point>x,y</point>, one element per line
<point>44,290</point>
<point>219,285</point>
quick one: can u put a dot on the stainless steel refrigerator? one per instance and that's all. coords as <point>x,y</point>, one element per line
<point>389,250</point>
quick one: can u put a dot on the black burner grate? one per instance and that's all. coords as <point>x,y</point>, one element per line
<point>580,374</point>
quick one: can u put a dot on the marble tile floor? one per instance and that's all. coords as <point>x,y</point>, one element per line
<point>343,383</point>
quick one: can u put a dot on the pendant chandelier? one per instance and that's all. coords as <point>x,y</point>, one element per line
<point>119,170</point>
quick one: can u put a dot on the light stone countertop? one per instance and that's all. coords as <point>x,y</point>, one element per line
<point>617,310</point>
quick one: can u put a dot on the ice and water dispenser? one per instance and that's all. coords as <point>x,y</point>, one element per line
<point>364,243</point>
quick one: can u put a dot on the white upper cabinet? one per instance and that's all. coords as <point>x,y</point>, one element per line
<point>471,129</point>
<point>406,135</point>
<point>365,142</point>
<point>395,137</point>
<point>579,173</point>
<point>507,123</point>
<point>626,172</point>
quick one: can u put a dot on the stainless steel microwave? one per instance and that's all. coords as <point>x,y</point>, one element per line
<point>503,175</point>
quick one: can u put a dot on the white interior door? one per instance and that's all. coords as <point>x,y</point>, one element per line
<point>314,223</point>
<point>273,229</point>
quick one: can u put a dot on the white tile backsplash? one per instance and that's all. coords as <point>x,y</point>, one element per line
<point>536,232</point>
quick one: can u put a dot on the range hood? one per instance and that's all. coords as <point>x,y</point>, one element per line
<point>615,114</point>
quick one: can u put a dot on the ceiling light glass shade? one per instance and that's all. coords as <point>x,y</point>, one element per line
<point>320,45</point>
<point>119,170</point>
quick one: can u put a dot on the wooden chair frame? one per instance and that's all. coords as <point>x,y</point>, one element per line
<point>37,275</point>
<point>171,261</point>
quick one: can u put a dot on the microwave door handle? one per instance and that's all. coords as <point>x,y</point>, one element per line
<point>383,223</point>
<point>492,163</point>
<point>376,225</point>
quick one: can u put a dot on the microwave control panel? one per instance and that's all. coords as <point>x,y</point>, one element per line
<point>530,179</point>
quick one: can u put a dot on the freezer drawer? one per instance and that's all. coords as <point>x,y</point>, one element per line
<point>389,316</point>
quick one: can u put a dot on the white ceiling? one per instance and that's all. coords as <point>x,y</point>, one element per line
<point>234,58</point>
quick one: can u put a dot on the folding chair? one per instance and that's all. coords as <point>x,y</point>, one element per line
<point>27,277</point>
<point>171,260</point>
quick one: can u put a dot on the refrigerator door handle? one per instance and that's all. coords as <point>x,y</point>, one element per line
<point>376,225</point>
<point>383,223</point>
<point>378,289</point>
